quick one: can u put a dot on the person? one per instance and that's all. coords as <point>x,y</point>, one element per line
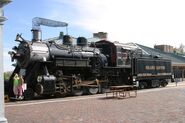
<point>15,85</point>
<point>137,84</point>
<point>20,87</point>
<point>176,82</point>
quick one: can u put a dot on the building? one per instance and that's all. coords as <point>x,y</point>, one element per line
<point>100,35</point>
<point>164,48</point>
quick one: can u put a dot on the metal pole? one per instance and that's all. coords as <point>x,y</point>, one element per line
<point>182,74</point>
<point>2,19</point>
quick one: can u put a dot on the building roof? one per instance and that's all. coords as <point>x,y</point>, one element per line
<point>176,59</point>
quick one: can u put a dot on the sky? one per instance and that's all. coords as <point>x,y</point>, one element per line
<point>147,22</point>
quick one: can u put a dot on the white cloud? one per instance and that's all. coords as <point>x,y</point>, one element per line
<point>146,22</point>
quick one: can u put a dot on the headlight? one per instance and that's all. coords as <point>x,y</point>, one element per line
<point>39,79</point>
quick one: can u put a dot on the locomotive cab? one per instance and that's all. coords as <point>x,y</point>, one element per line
<point>123,56</point>
<point>109,50</point>
<point>118,55</point>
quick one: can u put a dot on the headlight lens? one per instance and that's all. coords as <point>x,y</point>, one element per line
<point>39,79</point>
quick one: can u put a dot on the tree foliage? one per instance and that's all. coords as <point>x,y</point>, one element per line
<point>7,75</point>
<point>180,50</point>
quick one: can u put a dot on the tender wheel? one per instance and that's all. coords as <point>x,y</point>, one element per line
<point>164,84</point>
<point>77,91</point>
<point>93,90</point>
<point>142,85</point>
<point>158,85</point>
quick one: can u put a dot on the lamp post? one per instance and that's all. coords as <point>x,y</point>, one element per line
<point>2,19</point>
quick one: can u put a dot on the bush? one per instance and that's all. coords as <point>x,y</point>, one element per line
<point>7,75</point>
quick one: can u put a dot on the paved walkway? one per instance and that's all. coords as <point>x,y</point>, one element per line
<point>162,105</point>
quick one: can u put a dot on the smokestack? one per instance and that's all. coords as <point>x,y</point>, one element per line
<point>36,35</point>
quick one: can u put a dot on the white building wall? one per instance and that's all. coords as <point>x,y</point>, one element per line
<point>2,114</point>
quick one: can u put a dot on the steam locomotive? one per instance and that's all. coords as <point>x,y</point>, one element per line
<point>51,68</point>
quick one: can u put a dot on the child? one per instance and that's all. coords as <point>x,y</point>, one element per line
<point>15,85</point>
<point>20,87</point>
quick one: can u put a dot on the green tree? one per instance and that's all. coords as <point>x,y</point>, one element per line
<point>7,75</point>
<point>181,48</point>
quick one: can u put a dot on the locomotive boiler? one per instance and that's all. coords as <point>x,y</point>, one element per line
<point>69,68</point>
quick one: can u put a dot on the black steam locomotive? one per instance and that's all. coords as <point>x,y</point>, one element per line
<point>51,68</point>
